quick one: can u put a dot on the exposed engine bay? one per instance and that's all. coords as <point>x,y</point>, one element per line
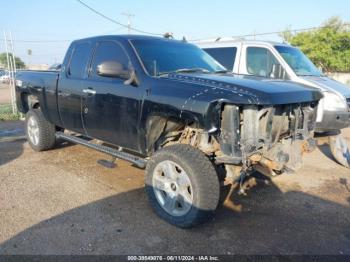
<point>269,139</point>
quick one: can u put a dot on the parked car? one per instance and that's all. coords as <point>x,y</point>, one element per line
<point>273,60</point>
<point>164,105</point>
<point>5,77</point>
<point>55,67</point>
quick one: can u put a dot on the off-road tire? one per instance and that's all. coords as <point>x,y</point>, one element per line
<point>46,132</point>
<point>204,180</point>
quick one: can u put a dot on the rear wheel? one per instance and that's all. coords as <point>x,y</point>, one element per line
<point>40,133</point>
<point>182,185</point>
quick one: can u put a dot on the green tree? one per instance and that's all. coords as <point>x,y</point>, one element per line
<point>328,46</point>
<point>287,34</point>
<point>3,61</point>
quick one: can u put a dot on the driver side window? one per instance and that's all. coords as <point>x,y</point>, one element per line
<point>108,51</point>
<point>261,62</point>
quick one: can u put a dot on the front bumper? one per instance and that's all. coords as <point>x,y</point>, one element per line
<point>333,120</point>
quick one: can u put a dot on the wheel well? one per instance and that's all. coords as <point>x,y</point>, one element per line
<point>159,129</point>
<point>162,131</point>
<point>29,102</point>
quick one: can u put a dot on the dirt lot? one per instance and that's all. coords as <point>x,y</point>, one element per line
<point>63,202</point>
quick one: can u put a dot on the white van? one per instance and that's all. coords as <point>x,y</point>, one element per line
<point>282,61</point>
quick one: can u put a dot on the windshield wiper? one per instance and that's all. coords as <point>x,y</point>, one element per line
<point>192,70</point>
<point>308,75</point>
<point>185,70</point>
<point>221,71</point>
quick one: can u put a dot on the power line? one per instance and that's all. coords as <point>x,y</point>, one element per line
<point>272,33</point>
<point>216,37</point>
<point>39,41</point>
<point>289,30</point>
<point>114,30</point>
<point>57,41</point>
<point>116,22</point>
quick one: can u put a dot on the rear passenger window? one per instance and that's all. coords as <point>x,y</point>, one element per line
<point>260,62</point>
<point>224,55</point>
<point>79,60</point>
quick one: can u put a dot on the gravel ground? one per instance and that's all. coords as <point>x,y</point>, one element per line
<point>63,202</point>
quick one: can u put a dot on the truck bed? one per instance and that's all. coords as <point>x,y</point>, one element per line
<point>42,85</point>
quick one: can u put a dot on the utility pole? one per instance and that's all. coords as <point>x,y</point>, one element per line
<point>29,53</point>
<point>11,66</point>
<point>13,53</point>
<point>7,53</point>
<point>129,16</point>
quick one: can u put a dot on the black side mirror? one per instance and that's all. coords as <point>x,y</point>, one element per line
<point>112,69</point>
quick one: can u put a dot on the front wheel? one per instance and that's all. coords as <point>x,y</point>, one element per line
<point>182,185</point>
<point>40,132</point>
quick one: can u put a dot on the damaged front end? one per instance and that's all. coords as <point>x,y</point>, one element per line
<point>269,139</point>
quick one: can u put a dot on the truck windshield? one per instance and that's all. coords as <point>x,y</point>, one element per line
<point>300,63</point>
<point>161,57</point>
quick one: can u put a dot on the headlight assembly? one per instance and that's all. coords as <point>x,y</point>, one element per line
<point>334,102</point>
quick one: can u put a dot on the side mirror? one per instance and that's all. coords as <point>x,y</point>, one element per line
<point>112,69</point>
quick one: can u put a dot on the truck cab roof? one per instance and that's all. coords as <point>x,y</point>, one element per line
<point>123,37</point>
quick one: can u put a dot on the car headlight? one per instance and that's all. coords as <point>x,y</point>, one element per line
<point>334,102</point>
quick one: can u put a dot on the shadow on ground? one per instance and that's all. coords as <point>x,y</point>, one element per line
<point>269,222</point>
<point>11,140</point>
<point>13,148</point>
<point>10,150</point>
<point>325,149</point>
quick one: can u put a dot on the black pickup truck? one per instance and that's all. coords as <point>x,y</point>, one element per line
<point>167,106</point>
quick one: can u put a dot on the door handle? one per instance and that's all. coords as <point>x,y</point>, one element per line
<point>89,91</point>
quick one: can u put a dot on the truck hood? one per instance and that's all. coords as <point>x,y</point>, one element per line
<point>259,91</point>
<point>328,84</point>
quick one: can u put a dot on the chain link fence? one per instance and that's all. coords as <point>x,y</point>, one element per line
<point>8,109</point>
